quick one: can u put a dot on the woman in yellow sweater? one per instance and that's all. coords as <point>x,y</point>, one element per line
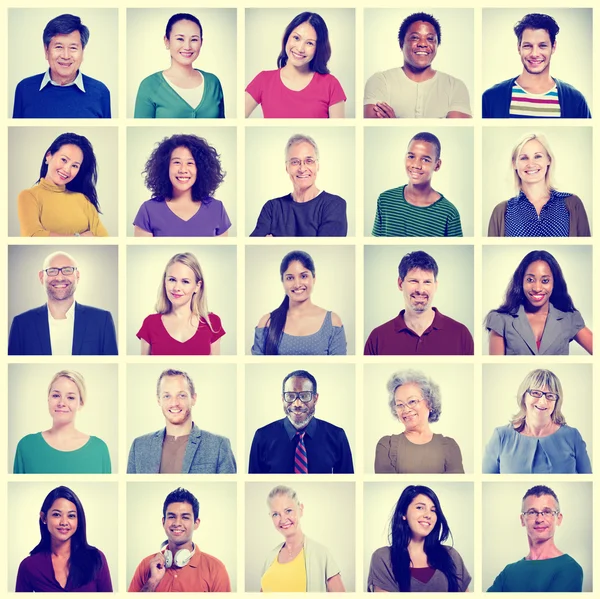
<point>63,203</point>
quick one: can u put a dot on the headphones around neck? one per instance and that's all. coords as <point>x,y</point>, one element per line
<point>180,559</point>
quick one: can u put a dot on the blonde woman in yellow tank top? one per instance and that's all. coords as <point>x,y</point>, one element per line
<point>298,564</point>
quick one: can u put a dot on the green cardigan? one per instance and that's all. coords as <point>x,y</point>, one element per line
<point>156,99</point>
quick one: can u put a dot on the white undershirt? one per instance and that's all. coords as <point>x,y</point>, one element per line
<point>192,96</point>
<point>61,333</point>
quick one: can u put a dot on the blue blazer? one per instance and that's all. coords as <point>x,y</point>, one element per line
<point>94,333</point>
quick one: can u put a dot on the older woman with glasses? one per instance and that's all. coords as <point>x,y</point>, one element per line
<point>306,211</point>
<point>537,440</point>
<point>415,401</point>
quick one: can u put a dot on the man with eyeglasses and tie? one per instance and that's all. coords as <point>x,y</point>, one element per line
<point>62,326</point>
<point>545,568</point>
<point>300,443</point>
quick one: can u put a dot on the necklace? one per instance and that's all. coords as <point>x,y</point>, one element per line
<point>291,551</point>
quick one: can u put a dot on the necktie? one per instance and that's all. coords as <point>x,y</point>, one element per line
<point>300,459</point>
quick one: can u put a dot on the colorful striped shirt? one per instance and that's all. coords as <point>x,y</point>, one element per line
<point>395,217</point>
<point>526,105</point>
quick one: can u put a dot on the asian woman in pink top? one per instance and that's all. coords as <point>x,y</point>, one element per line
<point>301,86</point>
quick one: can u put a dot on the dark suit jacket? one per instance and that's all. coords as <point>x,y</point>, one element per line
<point>94,333</point>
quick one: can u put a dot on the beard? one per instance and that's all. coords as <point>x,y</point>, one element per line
<point>307,413</point>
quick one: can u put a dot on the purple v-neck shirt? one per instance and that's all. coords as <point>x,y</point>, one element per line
<point>157,218</point>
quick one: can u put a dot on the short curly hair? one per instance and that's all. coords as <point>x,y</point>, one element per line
<point>419,16</point>
<point>430,391</point>
<point>209,174</point>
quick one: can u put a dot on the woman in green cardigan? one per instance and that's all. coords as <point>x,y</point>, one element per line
<point>181,91</point>
<point>62,449</point>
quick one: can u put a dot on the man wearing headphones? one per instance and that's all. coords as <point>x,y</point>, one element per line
<point>180,567</point>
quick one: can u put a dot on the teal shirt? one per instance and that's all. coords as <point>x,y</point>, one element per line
<point>156,99</point>
<point>395,217</point>
<point>554,575</point>
<point>35,456</point>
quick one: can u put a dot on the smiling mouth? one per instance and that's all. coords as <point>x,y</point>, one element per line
<point>537,297</point>
<point>297,56</point>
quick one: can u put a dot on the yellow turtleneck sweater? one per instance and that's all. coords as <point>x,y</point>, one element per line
<point>47,208</point>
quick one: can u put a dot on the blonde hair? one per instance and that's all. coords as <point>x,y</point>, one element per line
<point>517,150</point>
<point>538,379</point>
<point>198,305</point>
<point>76,378</point>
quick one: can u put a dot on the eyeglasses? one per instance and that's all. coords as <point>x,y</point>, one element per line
<point>538,394</point>
<point>546,513</point>
<point>292,396</point>
<point>65,270</point>
<point>409,405</point>
<point>296,162</point>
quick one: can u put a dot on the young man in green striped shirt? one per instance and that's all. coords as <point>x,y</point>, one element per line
<point>416,209</point>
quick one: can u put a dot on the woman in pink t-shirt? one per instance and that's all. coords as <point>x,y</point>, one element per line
<point>301,86</point>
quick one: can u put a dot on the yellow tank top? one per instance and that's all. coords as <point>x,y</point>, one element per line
<point>288,578</point>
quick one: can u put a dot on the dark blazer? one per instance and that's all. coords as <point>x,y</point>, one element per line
<point>205,453</point>
<point>94,333</point>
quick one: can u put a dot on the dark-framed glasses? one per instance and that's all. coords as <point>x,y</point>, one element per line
<point>292,396</point>
<point>409,405</point>
<point>546,513</point>
<point>296,162</point>
<point>538,394</point>
<point>65,270</point>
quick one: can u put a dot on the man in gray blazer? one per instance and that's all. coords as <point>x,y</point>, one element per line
<point>181,447</point>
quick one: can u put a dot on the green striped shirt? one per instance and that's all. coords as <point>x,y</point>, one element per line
<point>397,218</point>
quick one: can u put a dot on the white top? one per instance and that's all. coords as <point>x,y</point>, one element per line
<point>61,333</point>
<point>433,98</point>
<point>192,96</point>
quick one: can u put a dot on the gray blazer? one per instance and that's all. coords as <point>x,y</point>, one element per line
<point>561,327</point>
<point>205,454</point>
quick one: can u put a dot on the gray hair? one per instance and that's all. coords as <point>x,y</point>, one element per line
<point>430,391</point>
<point>283,490</point>
<point>299,138</point>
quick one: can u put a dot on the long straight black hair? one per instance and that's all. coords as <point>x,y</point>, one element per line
<point>85,561</point>
<point>85,180</point>
<point>279,315</point>
<point>438,556</point>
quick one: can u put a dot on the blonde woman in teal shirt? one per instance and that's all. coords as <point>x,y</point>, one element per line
<point>62,449</point>
<point>181,91</point>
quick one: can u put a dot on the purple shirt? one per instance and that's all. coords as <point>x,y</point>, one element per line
<point>157,218</point>
<point>36,574</point>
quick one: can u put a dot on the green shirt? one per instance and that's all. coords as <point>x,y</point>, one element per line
<point>156,99</point>
<point>557,574</point>
<point>35,456</point>
<point>395,217</point>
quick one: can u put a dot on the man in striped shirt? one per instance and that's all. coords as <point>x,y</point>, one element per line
<point>534,93</point>
<point>416,209</point>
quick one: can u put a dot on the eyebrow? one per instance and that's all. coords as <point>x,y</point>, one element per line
<point>308,39</point>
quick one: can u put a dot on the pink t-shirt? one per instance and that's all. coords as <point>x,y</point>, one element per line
<point>153,331</point>
<point>279,102</point>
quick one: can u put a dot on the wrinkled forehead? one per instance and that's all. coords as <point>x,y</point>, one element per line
<point>297,383</point>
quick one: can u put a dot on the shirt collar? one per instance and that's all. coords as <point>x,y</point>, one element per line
<point>291,430</point>
<point>400,324</point>
<point>554,196</point>
<point>47,80</point>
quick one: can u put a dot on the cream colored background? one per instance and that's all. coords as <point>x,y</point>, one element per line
<point>28,146</point>
<point>456,499</point>
<point>141,141</point>
<point>385,155</point>
<point>215,407</point>
<point>266,177</point>
<point>505,540</point>
<point>329,518</point>
<point>334,287</point>
<point>455,53</point>
<point>456,420</point>
<point>100,504</point>
<point>29,383</point>
<point>500,263</point>
<point>27,57</point>
<point>146,52</point>
<point>216,534</point>
<point>501,383</point>
<point>572,176</point>
<point>336,403</point>
<point>145,267</point>
<point>264,32</point>
<point>568,63</point>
